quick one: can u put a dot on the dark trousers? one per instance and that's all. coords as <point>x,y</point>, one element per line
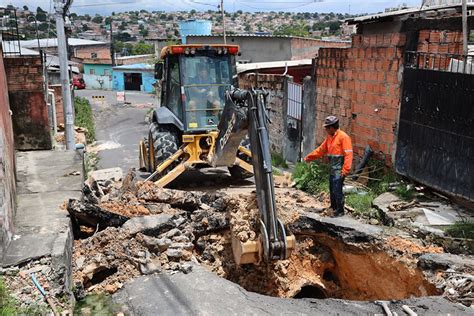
<point>336,183</point>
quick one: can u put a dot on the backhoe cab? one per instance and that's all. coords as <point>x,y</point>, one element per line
<point>205,120</point>
<point>193,80</point>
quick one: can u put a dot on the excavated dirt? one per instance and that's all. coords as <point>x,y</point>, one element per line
<point>166,229</point>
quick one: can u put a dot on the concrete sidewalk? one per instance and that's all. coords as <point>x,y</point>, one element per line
<point>46,179</point>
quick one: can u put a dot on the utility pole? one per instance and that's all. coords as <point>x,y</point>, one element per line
<point>223,19</point>
<point>112,51</point>
<point>60,10</point>
<point>464,28</point>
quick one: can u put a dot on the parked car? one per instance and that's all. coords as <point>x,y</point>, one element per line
<point>78,83</point>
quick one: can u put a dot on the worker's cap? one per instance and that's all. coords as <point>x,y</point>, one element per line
<point>330,120</point>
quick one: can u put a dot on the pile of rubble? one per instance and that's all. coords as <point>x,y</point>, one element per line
<point>131,228</point>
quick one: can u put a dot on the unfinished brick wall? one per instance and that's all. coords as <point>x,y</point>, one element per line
<point>85,52</point>
<point>7,164</point>
<point>274,84</point>
<point>361,86</point>
<point>30,112</point>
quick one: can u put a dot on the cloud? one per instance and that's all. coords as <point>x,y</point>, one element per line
<point>108,6</point>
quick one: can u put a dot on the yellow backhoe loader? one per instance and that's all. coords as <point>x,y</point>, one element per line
<point>205,120</point>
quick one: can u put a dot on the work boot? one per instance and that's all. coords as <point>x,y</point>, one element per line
<point>338,214</point>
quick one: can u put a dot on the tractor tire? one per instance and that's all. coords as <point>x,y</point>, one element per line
<point>238,172</point>
<point>164,143</point>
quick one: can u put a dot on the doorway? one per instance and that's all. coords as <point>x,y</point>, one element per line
<point>133,81</point>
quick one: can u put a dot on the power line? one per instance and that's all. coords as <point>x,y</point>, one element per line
<point>102,4</point>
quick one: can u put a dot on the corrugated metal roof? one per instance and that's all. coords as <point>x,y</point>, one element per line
<point>408,11</point>
<point>53,42</point>
<point>139,66</point>
<point>273,64</point>
<point>11,47</point>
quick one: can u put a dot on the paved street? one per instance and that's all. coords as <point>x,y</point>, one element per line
<point>119,127</point>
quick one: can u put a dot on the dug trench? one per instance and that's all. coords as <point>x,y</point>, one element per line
<point>124,230</point>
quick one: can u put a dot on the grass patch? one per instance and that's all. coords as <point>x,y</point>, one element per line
<point>10,306</point>
<point>462,229</point>
<point>84,117</point>
<point>278,160</point>
<point>90,162</point>
<point>312,177</point>
<point>361,203</point>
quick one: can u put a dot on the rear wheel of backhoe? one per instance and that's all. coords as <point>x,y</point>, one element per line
<point>239,172</point>
<point>164,143</point>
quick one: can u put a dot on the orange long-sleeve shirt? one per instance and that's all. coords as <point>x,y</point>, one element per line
<point>339,150</point>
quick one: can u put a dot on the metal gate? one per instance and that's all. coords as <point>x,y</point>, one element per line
<point>436,133</point>
<point>293,128</point>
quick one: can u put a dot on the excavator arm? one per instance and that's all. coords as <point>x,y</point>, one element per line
<point>245,112</point>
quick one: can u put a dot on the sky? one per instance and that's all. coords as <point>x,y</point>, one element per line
<point>105,7</point>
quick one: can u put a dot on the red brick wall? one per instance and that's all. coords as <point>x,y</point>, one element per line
<point>30,113</point>
<point>7,163</point>
<point>361,86</point>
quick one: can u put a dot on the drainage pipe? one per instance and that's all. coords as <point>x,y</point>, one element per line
<point>40,288</point>
<point>365,159</point>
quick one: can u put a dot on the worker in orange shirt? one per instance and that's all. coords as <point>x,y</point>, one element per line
<point>338,147</point>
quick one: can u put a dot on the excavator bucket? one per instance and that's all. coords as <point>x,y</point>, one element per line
<point>252,251</point>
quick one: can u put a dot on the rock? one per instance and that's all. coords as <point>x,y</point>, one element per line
<point>383,201</point>
<point>164,243</point>
<point>172,233</point>
<point>204,222</point>
<point>181,238</point>
<point>443,261</point>
<point>153,225</point>
<point>180,245</point>
<point>152,266</point>
<point>114,174</point>
<point>111,288</point>
<point>185,200</point>
<point>186,268</point>
<point>174,253</point>
<point>92,215</point>
<point>179,221</point>
<point>373,221</point>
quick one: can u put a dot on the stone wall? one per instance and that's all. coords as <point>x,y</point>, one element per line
<point>7,164</point>
<point>274,84</point>
<point>30,112</point>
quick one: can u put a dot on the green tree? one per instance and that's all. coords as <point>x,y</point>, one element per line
<point>97,19</point>
<point>142,48</point>
<point>296,29</point>
<point>192,12</point>
<point>40,14</point>
<point>85,27</point>
<point>25,8</point>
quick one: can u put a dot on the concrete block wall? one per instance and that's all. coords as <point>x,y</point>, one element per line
<point>7,164</point>
<point>30,112</point>
<point>274,84</point>
<point>361,86</point>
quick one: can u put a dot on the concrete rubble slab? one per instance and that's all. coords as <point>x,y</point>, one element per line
<point>203,293</point>
<point>115,174</point>
<point>46,180</point>
<point>383,201</point>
